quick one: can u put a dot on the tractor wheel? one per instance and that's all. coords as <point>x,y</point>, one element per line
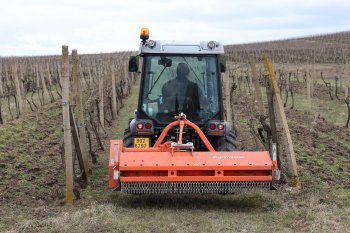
<point>227,143</point>
<point>128,139</point>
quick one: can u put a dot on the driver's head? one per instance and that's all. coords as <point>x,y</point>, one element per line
<point>182,70</point>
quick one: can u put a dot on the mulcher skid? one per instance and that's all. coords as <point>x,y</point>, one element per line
<point>174,167</point>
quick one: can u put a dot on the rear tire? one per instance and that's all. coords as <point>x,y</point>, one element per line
<point>227,143</point>
<point>128,138</point>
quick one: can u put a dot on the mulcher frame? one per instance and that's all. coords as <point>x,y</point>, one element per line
<point>177,162</point>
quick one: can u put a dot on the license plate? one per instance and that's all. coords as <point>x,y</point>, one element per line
<point>141,142</point>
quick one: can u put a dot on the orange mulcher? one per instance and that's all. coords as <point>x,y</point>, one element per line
<point>178,140</point>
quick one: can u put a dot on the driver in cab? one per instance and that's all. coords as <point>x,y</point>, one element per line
<point>182,95</point>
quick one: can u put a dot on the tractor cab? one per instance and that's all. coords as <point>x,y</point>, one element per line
<point>175,83</point>
<point>178,77</point>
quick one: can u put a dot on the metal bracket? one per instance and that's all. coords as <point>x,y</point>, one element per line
<point>277,174</point>
<point>181,147</point>
<point>274,151</point>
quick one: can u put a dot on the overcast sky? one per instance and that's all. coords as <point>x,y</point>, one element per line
<point>39,27</point>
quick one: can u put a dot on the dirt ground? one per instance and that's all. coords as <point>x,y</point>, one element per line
<point>32,184</point>
<point>30,163</point>
<point>322,148</point>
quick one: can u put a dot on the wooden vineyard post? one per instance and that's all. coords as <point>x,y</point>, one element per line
<point>1,95</point>
<point>50,83</point>
<point>312,81</point>
<point>49,74</point>
<point>226,79</point>
<point>21,82</point>
<point>347,79</point>
<point>18,89</point>
<point>249,81</point>
<point>77,145</point>
<point>1,85</point>
<point>59,71</point>
<point>80,137</point>
<point>287,83</point>
<point>258,94</point>
<point>1,120</point>
<point>308,87</point>
<point>101,104</point>
<point>271,107</point>
<point>43,83</point>
<point>114,95</point>
<point>37,82</point>
<point>66,126</point>
<point>126,73</point>
<point>347,101</point>
<point>281,116</point>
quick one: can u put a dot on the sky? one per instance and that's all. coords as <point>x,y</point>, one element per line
<point>41,27</point>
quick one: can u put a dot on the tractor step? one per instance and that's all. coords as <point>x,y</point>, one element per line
<point>194,187</point>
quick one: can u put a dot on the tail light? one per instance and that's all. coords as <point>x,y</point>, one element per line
<point>148,125</point>
<point>221,127</point>
<point>139,126</point>
<point>212,126</point>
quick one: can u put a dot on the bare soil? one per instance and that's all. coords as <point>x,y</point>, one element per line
<point>30,158</point>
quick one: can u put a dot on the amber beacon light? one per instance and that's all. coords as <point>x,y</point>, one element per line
<point>144,34</point>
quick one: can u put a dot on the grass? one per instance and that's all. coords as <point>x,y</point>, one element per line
<point>126,113</point>
<point>333,111</point>
<point>193,214</point>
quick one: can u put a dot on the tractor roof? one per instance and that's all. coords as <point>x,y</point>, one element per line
<point>181,47</point>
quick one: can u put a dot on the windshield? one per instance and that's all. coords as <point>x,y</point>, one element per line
<point>175,84</point>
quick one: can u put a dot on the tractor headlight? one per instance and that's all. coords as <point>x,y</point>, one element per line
<point>211,44</point>
<point>151,43</point>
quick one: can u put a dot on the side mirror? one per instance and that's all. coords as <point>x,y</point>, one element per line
<point>222,61</point>
<point>133,64</point>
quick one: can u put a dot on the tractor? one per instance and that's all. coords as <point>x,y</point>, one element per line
<point>178,140</point>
